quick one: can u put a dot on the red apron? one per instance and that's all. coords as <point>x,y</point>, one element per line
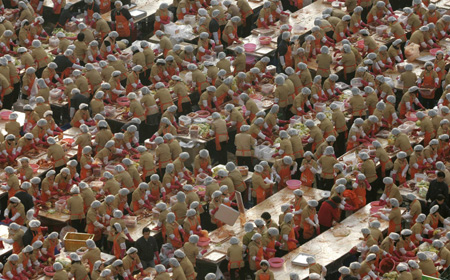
<point>122,25</point>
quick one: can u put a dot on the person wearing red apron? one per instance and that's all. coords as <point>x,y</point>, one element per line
<point>36,231</point>
<point>17,211</point>
<point>401,167</point>
<point>38,6</point>
<point>260,186</point>
<point>121,20</point>
<point>417,161</point>
<point>119,245</point>
<point>91,8</point>
<point>94,226</point>
<point>86,162</point>
<point>308,169</point>
<point>161,16</point>
<point>361,190</point>
<point>204,165</point>
<point>172,231</point>
<point>439,66</point>
<point>214,207</point>
<point>353,138</point>
<point>270,241</point>
<point>428,79</point>
<point>287,234</point>
<point>299,204</point>
<point>376,13</point>
<point>50,244</point>
<point>265,17</point>
<point>284,171</point>
<point>191,224</point>
<point>394,217</point>
<point>432,221</point>
<point>255,252</point>
<point>309,222</point>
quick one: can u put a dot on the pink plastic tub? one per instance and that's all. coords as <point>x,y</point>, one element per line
<point>276,262</point>
<point>5,114</point>
<point>293,184</point>
<point>249,47</point>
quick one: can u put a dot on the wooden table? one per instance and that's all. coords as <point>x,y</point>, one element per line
<point>271,205</point>
<point>148,6</point>
<point>327,248</point>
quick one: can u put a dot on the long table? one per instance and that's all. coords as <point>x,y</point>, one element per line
<point>327,248</point>
<point>271,205</point>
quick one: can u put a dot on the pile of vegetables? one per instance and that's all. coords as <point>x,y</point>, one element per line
<point>423,188</point>
<point>393,275</point>
<point>302,129</point>
<point>203,130</point>
<point>68,34</point>
<point>215,170</point>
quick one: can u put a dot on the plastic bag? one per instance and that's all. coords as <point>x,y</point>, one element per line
<point>412,52</point>
<point>188,78</point>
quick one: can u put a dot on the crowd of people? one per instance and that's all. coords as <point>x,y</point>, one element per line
<point>90,70</point>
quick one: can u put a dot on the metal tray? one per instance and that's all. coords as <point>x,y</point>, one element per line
<point>300,259</point>
<point>425,58</point>
<point>138,14</point>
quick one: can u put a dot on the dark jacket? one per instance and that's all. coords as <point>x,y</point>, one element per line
<point>26,199</point>
<point>146,248</point>
<point>435,189</point>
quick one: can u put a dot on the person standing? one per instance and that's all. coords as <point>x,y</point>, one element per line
<point>437,186</point>
<point>329,213</point>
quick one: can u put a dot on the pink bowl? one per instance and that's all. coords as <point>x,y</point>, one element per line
<point>411,116</point>
<point>276,262</point>
<point>293,184</point>
<point>203,114</point>
<point>265,40</point>
<point>123,101</point>
<point>360,44</point>
<point>203,241</point>
<point>5,114</point>
<point>35,167</point>
<point>249,47</point>
<point>434,51</point>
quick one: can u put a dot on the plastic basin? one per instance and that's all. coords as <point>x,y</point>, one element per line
<point>293,184</point>
<point>48,270</point>
<point>434,51</point>
<point>410,116</point>
<point>5,114</point>
<point>35,167</point>
<point>123,101</point>
<point>203,114</point>
<point>203,241</point>
<point>265,40</point>
<point>319,107</point>
<point>249,47</point>
<point>386,265</point>
<point>68,140</point>
<point>276,262</point>
<point>360,44</point>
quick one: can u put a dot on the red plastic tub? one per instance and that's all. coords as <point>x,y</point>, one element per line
<point>386,265</point>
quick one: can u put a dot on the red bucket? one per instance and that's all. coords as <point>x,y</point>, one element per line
<point>386,265</point>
